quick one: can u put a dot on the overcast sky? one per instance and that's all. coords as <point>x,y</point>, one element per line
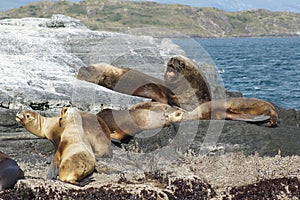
<point>228,5</point>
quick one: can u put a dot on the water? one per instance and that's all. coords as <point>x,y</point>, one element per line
<point>265,68</point>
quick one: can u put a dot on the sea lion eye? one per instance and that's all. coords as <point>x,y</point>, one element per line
<point>27,115</point>
<point>181,64</point>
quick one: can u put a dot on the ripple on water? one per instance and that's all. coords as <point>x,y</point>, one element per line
<point>265,68</point>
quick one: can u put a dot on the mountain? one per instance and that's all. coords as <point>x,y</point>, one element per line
<point>166,20</point>
<point>240,5</point>
<point>227,5</point>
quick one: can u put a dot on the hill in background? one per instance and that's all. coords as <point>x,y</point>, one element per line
<point>156,19</point>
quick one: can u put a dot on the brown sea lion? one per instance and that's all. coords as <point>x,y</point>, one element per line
<point>189,85</point>
<point>139,117</point>
<point>96,131</point>
<point>74,157</point>
<point>243,109</point>
<point>124,80</point>
<point>10,172</point>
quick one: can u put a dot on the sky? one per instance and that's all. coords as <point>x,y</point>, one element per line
<point>227,5</point>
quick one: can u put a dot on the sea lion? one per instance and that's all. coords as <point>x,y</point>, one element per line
<point>10,172</point>
<point>74,157</point>
<point>243,109</point>
<point>124,80</point>
<point>95,129</point>
<point>139,117</point>
<point>189,85</point>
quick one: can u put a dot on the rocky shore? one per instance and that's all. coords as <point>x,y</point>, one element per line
<point>190,160</point>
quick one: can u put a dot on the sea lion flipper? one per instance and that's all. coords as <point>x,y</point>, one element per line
<point>251,118</point>
<point>114,140</point>
<point>52,172</point>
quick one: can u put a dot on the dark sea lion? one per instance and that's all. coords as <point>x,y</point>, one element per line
<point>243,109</point>
<point>74,157</point>
<point>10,172</point>
<point>189,85</point>
<point>139,117</point>
<point>96,131</point>
<point>124,80</point>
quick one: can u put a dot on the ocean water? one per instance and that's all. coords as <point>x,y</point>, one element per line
<point>265,68</point>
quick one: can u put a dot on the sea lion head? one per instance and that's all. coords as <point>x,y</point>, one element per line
<point>69,117</point>
<point>179,67</point>
<point>102,74</point>
<point>26,118</point>
<point>174,114</point>
<point>174,67</point>
<point>31,121</point>
<point>90,74</point>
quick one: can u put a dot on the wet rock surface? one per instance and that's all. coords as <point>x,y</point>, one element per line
<point>188,160</point>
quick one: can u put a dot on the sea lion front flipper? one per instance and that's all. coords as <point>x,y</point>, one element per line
<point>52,172</point>
<point>249,118</point>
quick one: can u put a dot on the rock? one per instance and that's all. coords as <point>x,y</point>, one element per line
<point>62,21</point>
<point>8,117</point>
<point>219,137</point>
<point>40,59</point>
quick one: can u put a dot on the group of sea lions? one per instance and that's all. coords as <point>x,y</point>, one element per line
<point>183,95</point>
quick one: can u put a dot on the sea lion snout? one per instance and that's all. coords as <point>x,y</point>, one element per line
<point>19,117</point>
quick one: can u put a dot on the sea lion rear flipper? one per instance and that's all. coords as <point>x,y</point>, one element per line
<point>84,181</point>
<point>114,140</point>
<point>250,118</point>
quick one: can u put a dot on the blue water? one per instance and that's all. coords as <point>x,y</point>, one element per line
<point>265,68</point>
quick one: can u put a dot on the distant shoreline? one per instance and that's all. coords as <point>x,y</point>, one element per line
<point>230,37</point>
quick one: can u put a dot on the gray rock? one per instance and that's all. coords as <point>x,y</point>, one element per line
<point>40,59</point>
<point>219,137</point>
<point>62,21</point>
